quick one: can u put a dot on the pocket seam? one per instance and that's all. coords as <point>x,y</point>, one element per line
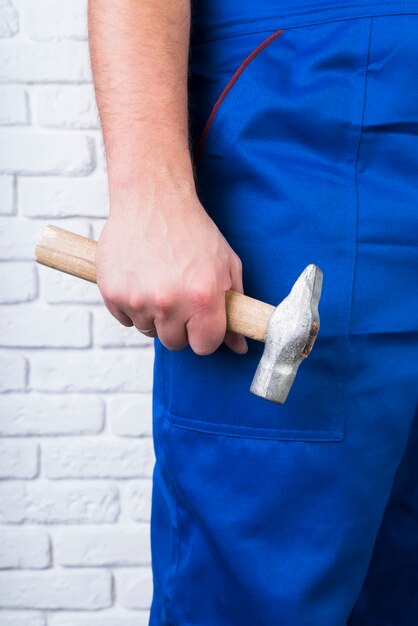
<point>335,433</point>
<point>273,434</point>
<point>228,87</point>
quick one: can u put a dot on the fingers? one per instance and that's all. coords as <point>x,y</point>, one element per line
<point>148,329</point>
<point>182,318</point>
<point>236,342</point>
<point>119,314</point>
<point>113,304</point>
<point>162,313</point>
<point>171,333</point>
<point>130,317</point>
<point>206,328</point>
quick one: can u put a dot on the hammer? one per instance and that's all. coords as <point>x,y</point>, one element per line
<point>288,330</point>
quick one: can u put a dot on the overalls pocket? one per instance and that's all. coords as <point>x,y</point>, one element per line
<point>276,171</point>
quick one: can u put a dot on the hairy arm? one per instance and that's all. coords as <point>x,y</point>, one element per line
<point>139,53</point>
<point>161,261</point>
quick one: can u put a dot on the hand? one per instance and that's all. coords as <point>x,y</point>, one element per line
<point>162,261</point>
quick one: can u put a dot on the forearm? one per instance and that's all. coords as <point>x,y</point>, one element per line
<point>139,56</point>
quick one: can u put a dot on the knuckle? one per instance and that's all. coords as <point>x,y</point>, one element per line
<point>201,297</point>
<point>135,301</point>
<point>162,302</point>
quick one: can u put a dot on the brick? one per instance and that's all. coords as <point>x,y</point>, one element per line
<point>108,332</point>
<point>97,227</point>
<point>7,203</point>
<point>29,326</point>
<point>66,19</point>
<point>67,106</point>
<point>99,458</point>
<point>14,108</point>
<point>134,618</point>
<point>114,547</point>
<point>9,19</point>
<point>101,152</point>
<point>18,459</point>
<point>137,498</point>
<point>40,502</point>
<point>24,548</point>
<point>46,153</point>
<point>130,415</point>
<point>60,288</point>
<point>63,197</point>
<point>134,588</point>
<point>56,589</point>
<point>22,618</point>
<point>18,237</point>
<point>13,369</point>
<point>18,282</point>
<point>39,414</point>
<point>33,62</point>
<point>93,370</point>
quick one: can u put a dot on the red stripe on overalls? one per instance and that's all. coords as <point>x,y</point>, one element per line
<point>228,88</point>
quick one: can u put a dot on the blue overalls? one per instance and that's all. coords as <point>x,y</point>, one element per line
<point>304,124</point>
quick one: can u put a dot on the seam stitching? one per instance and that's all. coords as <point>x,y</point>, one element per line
<point>357,153</point>
<point>279,437</point>
<point>335,15</point>
<point>164,445</point>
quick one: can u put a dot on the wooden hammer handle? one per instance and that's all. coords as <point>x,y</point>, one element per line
<point>74,254</point>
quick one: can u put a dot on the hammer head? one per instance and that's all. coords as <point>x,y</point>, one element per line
<point>291,333</point>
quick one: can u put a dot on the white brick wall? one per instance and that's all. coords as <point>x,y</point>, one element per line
<point>76,452</point>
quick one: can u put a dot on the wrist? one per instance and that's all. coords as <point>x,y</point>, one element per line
<point>160,164</point>
<point>160,186</point>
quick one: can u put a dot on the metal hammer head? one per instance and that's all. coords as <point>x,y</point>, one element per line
<point>291,333</point>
